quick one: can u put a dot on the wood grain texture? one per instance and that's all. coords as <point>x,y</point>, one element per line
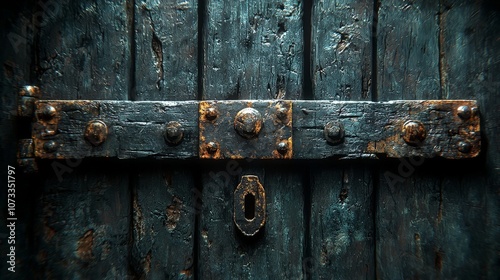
<point>407,50</point>
<point>342,49</point>
<point>166,36</point>
<point>471,201</point>
<point>84,50</point>
<point>407,208</point>
<point>83,214</point>
<point>253,50</point>
<point>164,209</point>
<point>438,220</point>
<point>341,222</point>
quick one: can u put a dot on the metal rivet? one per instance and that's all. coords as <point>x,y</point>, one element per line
<point>50,146</point>
<point>334,132</point>
<point>464,112</point>
<point>47,112</point>
<point>248,123</point>
<point>211,113</point>
<point>174,133</point>
<point>96,132</point>
<point>282,147</point>
<point>282,113</point>
<point>212,147</point>
<point>413,132</point>
<point>464,147</point>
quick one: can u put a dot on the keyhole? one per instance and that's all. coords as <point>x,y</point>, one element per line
<point>249,206</point>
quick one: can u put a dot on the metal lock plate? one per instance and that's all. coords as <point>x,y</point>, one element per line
<point>245,129</point>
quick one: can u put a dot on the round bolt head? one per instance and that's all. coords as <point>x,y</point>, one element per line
<point>282,147</point>
<point>334,132</point>
<point>464,112</point>
<point>46,112</point>
<point>282,113</point>
<point>96,132</point>
<point>414,132</point>
<point>464,147</point>
<point>50,146</point>
<point>211,113</point>
<point>174,133</point>
<point>248,123</point>
<point>212,147</point>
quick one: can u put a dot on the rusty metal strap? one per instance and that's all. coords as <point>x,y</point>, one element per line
<point>264,129</point>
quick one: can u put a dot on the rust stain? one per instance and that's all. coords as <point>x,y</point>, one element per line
<point>138,219</point>
<point>438,261</point>
<point>85,244</point>
<point>173,213</point>
<point>146,263</point>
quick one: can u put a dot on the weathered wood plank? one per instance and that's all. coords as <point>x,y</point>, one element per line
<point>252,50</point>
<point>407,50</point>
<point>84,50</point>
<point>166,37</point>
<point>341,226</point>
<point>470,223</point>
<point>342,49</point>
<point>408,201</point>
<point>434,220</point>
<point>83,214</point>
<point>166,51</point>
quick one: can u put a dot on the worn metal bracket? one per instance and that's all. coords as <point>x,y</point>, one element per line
<point>261,129</point>
<point>246,129</point>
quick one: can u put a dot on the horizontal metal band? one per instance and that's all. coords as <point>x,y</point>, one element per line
<point>269,129</point>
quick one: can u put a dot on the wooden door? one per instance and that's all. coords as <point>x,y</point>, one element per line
<point>327,219</point>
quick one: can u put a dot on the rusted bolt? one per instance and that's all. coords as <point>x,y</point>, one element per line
<point>464,112</point>
<point>212,147</point>
<point>282,113</point>
<point>248,123</point>
<point>414,132</point>
<point>464,147</point>
<point>334,132</point>
<point>282,147</point>
<point>47,112</point>
<point>211,113</point>
<point>174,133</point>
<point>50,146</point>
<point>96,132</point>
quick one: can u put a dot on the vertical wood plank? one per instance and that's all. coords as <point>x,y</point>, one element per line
<point>341,226</point>
<point>252,50</point>
<point>166,50</point>
<point>408,206</point>
<point>82,229</point>
<point>342,49</point>
<point>469,227</point>
<point>436,220</point>
<point>84,49</point>
<point>166,38</point>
